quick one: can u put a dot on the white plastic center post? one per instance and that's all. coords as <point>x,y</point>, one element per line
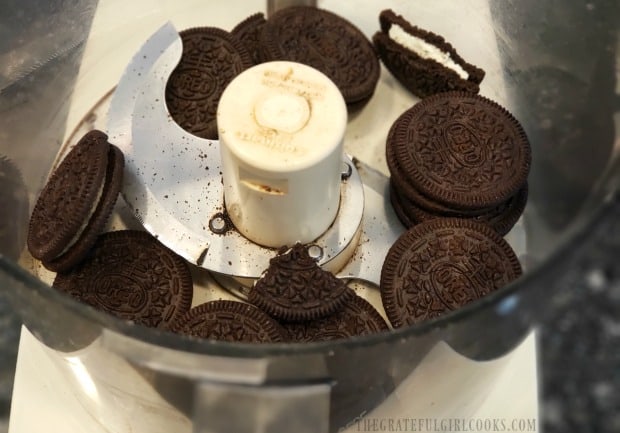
<point>281,127</point>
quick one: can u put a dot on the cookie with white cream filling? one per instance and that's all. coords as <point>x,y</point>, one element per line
<point>422,61</point>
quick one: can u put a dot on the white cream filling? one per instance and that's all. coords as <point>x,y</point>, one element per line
<point>425,49</point>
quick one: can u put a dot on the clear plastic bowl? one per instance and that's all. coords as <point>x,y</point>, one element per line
<point>552,64</point>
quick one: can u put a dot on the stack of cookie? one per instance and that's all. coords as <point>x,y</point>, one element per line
<point>457,154</point>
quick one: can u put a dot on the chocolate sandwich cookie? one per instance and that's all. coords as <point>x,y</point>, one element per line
<point>131,275</point>
<point>96,224</point>
<point>75,202</point>
<point>441,265</point>
<point>211,59</point>
<point>463,151</point>
<point>229,321</point>
<point>326,42</point>
<point>357,317</point>
<point>295,288</point>
<point>422,61</point>
<point>248,32</point>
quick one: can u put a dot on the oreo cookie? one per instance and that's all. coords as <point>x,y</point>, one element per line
<point>327,42</point>
<point>422,61</point>
<point>295,288</point>
<point>99,217</point>
<point>76,202</point>
<point>461,151</point>
<point>356,318</point>
<point>229,321</point>
<point>248,32</point>
<point>441,265</point>
<point>211,58</point>
<point>131,275</point>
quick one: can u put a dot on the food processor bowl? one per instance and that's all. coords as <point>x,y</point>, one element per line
<point>552,64</point>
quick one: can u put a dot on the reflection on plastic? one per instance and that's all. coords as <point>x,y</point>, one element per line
<point>83,377</point>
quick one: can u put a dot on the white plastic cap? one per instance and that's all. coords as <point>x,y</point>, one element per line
<point>281,127</point>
